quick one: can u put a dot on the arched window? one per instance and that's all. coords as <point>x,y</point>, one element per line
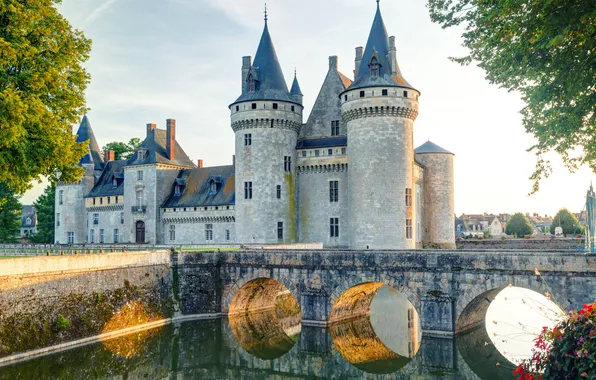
<point>374,67</point>
<point>213,187</point>
<point>251,83</point>
<point>114,183</point>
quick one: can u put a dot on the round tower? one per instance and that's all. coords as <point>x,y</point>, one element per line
<point>379,109</point>
<point>438,199</point>
<point>266,120</point>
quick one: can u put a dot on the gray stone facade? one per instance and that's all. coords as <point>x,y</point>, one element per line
<point>347,178</point>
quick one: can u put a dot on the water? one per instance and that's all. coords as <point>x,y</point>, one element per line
<point>263,346</point>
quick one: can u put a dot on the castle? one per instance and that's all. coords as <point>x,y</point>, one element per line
<point>349,177</point>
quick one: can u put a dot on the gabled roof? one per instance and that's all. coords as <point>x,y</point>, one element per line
<point>430,147</point>
<point>155,152</point>
<point>271,84</point>
<point>28,211</point>
<point>104,187</point>
<point>378,46</point>
<point>93,156</point>
<point>325,142</point>
<point>196,190</point>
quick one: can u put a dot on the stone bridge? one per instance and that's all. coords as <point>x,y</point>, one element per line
<point>451,290</point>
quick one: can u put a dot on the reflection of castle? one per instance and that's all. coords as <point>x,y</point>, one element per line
<point>348,177</point>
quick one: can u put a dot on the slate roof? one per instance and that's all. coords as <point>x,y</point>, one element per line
<point>271,84</point>
<point>430,147</point>
<point>378,40</point>
<point>196,191</point>
<point>296,87</point>
<point>104,186</point>
<point>154,146</point>
<point>28,211</point>
<point>93,156</point>
<point>322,142</point>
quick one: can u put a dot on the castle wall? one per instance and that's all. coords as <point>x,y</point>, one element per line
<point>190,226</point>
<point>149,209</point>
<point>108,221</point>
<point>315,207</point>
<point>72,213</point>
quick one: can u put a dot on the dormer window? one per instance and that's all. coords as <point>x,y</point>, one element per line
<point>28,221</point>
<point>213,187</point>
<point>374,67</point>
<point>177,190</point>
<point>141,155</point>
<point>252,83</point>
<point>114,182</point>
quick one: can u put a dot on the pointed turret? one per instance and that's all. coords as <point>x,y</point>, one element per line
<point>93,156</point>
<point>264,79</point>
<point>378,65</point>
<point>296,92</point>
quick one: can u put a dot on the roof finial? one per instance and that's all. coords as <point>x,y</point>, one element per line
<point>295,76</point>
<point>378,4</point>
<point>266,18</point>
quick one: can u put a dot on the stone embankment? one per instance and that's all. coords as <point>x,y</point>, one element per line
<point>565,244</point>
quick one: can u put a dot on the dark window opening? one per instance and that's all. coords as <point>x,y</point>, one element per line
<point>330,152</point>
<point>292,108</point>
<point>346,98</point>
<point>362,94</point>
<point>275,106</point>
<point>237,108</point>
<point>248,139</point>
<point>405,94</point>
<point>278,191</point>
<point>334,191</point>
<point>280,230</point>
<point>384,93</point>
<point>374,67</point>
<point>247,190</point>
<point>335,128</point>
<point>334,227</point>
<point>287,164</point>
<point>254,106</point>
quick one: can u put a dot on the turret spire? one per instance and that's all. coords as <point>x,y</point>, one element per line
<point>85,133</point>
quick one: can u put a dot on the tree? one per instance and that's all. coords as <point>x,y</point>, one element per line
<point>42,84</point>
<point>567,221</point>
<point>45,207</point>
<point>123,151</point>
<point>545,50</point>
<point>519,225</point>
<point>10,215</point>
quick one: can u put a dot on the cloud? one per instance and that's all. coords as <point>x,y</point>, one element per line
<point>97,12</point>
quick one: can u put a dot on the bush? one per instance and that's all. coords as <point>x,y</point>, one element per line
<point>519,225</point>
<point>62,322</point>
<point>568,351</point>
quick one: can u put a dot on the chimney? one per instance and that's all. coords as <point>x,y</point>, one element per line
<point>359,53</point>
<point>234,160</point>
<point>171,138</point>
<point>392,55</point>
<point>246,64</point>
<point>150,127</point>
<point>200,163</point>
<point>333,62</point>
<point>109,155</point>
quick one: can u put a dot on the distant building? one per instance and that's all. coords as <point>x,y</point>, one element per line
<point>479,224</point>
<point>541,223</point>
<point>28,221</point>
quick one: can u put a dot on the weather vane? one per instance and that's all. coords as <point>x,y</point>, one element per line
<point>265,12</point>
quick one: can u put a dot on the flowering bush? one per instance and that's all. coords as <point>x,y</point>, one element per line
<point>568,351</point>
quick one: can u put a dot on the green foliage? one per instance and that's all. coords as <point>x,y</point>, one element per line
<point>123,151</point>
<point>543,49</point>
<point>44,205</point>
<point>567,221</point>
<point>10,215</point>
<point>519,225</point>
<point>62,323</point>
<point>568,351</point>
<point>42,84</point>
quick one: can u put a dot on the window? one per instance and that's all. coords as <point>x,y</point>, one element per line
<point>384,93</point>
<point>139,198</point>
<point>362,94</point>
<point>121,218</point>
<point>227,235</point>
<point>343,150</point>
<point>92,236</point>
<point>116,235</point>
<point>141,155</point>
<point>247,190</point>
<point>237,108</point>
<point>287,164</point>
<point>172,232</point>
<point>117,199</point>
<point>93,201</point>
<point>248,139</point>
<point>333,191</point>
<point>95,218</point>
<point>346,98</point>
<point>114,182</point>
<point>254,106</point>
<point>275,106</point>
<point>374,67</point>
<point>303,153</point>
<point>101,236</point>
<point>408,228</point>
<point>109,200</point>
<point>100,201</point>
<point>335,128</point>
<point>292,108</point>
<point>71,238</point>
<point>176,190</point>
<point>334,227</point>
<point>58,219</point>
<point>408,197</point>
<point>213,187</point>
<point>140,175</point>
<point>60,195</point>
<point>317,152</point>
<point>405,94</point>
<point>280,230</point>
<point>209,232</point>
<point>330,152</point>
<point>278,191</point>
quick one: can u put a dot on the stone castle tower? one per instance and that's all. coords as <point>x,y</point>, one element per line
<point>380,108</point>
<point>266,120</point>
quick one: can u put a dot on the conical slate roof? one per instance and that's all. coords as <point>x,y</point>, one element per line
<point>296,87</point>
<point>85,133</point>
<point>430,147</point>
<point>378,43</point>
<point>271,84</point>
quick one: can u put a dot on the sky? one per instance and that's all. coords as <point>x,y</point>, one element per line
<point>181,59</point>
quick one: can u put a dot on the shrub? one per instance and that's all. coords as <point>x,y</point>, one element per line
<point>62,322</point>
<point>568,351</point>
